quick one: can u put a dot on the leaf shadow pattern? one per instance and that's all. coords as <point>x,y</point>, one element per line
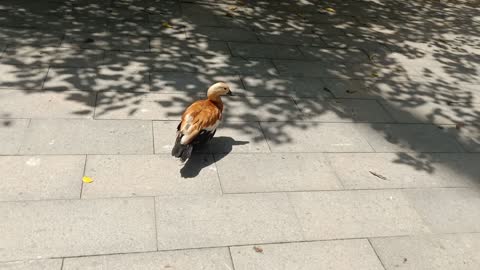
<point>419,60</point>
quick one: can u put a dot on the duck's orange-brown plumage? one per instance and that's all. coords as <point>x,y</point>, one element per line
<point>199,121</point>
<point>201,115</point>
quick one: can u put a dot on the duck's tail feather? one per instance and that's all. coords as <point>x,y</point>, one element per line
<point>182,151</point>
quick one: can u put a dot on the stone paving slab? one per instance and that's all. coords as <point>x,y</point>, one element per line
<point>236,137</point>
<point>304,137</point>
<point>192,47</point>
<point>174,82</point>
<point>22,77</point>
<point>51,264</point>
<point>260,109</point>
<point>61,136</point>
<point>408,138</point>
<point>149,175</point>
<point>341,255</point>
<point>61,228</point>
<point>461,205</point>
<point>323,69</point>
<point>214,259</point>
<point>186,222</point>
<point>68,104</point>
<point>290,38</point>
<point>106,41</point>
<point>25,36</point>
<point>467,136</point>
<point>100,79</point>
<point>419,111</point>
<point>335,55</point>
<point>40,177</point>
<point>110,105</point>
<point>361,89</point>
<point>12,132</point>
<point>259,85</point>
<point>224,34</point>
<point>353,214</point>
<point>343,110</point>
<point>280,172</point>
<point>451,251</point>
<point>265,50</point>
<point>28,55</point>
<point>224,65</point>
<point>356,170</point>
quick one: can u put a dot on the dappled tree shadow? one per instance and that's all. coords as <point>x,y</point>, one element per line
<point>418,61</point>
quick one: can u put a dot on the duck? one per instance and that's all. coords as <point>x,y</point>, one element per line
<point>200,121</point>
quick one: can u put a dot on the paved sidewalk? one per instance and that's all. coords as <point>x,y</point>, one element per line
<point>352,141</point>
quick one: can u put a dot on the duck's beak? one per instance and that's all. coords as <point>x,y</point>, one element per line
<point>229,93</point>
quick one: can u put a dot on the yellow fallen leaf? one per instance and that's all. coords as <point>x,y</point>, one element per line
<point>232,8</point>
<point>330,10</point>
<point>374,74</point>
<point>167,25</point>
<point>87,179</point>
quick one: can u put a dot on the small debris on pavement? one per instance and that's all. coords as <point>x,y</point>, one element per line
<point>459,125</point>
<point>378,175</point>
<point>258,249</point>
<point>167,25</point>
<point>87,179</point>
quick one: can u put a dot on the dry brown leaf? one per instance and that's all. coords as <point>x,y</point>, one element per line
<point>258,249</point>
<point>378,175</point>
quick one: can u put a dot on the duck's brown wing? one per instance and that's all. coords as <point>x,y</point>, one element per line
<point>199,119</point>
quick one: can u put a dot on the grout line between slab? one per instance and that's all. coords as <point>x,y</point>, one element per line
<point>251,244</point>
<point>155,221</point>
<point>83,174</point>
<point>376,254</point>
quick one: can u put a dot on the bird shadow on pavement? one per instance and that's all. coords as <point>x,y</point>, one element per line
<point>200,159</point>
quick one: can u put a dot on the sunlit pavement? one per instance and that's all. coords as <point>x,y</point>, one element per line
<point>351,142</point>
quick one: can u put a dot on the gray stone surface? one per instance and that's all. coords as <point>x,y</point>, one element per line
<point>104,78</point>
<point>335,55</point>
<point>408,72</point>
<point>143,106</point>
<point>12,132</point>
<point>467,136</point>
<point>352,88</point>
<point>408,138</point>
<point>222,65</point>
<point>67,104</point>
<point>149,175</point>
<point>192,47</point>
<point>314,137</point>
<point>106,41</point>
<point>354,214</point>
<point>420,111</point>
<point>76,227</point>
<point>174,83</point>
<point>50,264</point>
<point>260,109</point>
<point>454,251</point>
<point>280,172</point>
<point>188,222</point>
<point>341,255</point>
<point>230,137</point>
<point>343,110</point>
<point>405,170</point>
<point>265,50</point>
<point>460,204</point>
<point>88,137</point>
<point>40,177</point>
<point>259,85</point>
<point>221,33</point>
<point>215,259</point>
<point>22,77</point>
